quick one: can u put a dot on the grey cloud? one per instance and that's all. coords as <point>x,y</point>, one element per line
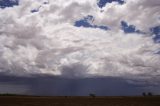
<point>74,70</point>
<point>54,85</point>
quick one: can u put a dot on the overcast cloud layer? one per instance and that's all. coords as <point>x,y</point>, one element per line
<point>47,42</point>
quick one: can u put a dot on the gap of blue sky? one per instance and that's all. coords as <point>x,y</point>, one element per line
<point>8,3</point>
<point>129,28</point>
<point>86,22</point>
<point>102,3</point>
<point>156,33</point>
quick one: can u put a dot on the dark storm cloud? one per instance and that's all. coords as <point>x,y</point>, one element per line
<point>58,86</point>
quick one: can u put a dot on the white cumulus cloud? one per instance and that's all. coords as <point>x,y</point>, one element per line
<point>48,42</point>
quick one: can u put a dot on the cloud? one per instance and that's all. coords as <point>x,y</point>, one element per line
<point>144,14</point>
<point>47,42</point>
<point>60,86</point>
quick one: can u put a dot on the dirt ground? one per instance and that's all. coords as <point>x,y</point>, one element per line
<point>78,101</point>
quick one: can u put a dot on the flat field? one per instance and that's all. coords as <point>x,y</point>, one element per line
<point>78,101</point>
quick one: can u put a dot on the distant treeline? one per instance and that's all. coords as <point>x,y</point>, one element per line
<point>8,94</point>
<point>90,95</point>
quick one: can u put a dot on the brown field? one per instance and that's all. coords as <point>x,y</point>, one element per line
<point>78,101</point>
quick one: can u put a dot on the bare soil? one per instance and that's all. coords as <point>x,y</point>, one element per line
<point>78,101</point>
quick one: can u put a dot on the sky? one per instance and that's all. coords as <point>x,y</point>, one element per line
<point>78,47</point>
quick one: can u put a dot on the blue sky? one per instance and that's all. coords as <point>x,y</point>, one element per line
<point>70,48</point>
<point>8,3</point>
<point>102,3</point>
